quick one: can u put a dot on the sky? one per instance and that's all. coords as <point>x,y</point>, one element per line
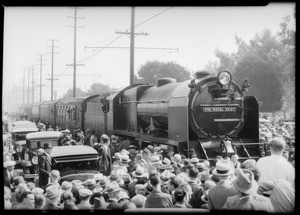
<point>195,31</point>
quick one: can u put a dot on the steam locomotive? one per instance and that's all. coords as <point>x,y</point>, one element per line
<point>202,114</point>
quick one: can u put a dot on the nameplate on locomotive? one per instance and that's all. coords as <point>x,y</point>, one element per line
<point>219,109</point>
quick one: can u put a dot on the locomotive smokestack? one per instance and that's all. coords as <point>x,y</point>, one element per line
<point>201,74</point>
<point>164,81</point>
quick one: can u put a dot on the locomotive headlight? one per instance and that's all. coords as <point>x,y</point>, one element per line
<point>224,77</point>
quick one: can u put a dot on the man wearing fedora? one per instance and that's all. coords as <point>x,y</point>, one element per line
<point>9,173</point>
<point>247,187</point>
<point>45,165</point>
<point>53,196</point>
<point>157,199</point>
<point>218,194</point>
<point>104,152</point>
<point>140,176</point>
<point>84,195</point>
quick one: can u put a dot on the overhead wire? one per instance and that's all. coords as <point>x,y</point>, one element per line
<point>222,37</point>
<point>96,52</point>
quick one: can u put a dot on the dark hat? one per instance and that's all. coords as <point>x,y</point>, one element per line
<point>47,146</point>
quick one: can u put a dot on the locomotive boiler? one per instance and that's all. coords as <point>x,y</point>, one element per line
<point>196,114</point>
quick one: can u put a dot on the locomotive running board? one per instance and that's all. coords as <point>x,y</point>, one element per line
<point>209,148</point>
<point>146,137</point>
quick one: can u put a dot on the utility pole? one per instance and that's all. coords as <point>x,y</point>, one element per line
<point>32,76</point>
<point>74,57</point>
<point>132,34</point>
<point>41,66</point>
<point>24,86</point>
<point>28,85</point>
<point>132,46</point>
<point>52,63</point>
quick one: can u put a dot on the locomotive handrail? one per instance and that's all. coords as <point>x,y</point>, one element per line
<point>212,105</point>
<point>246,144</point>
<point>149,101</point>
<point>244,148</point>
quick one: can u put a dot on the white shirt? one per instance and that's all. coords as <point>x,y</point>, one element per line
<point>275,167</point>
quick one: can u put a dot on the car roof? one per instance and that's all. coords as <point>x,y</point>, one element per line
<point>17,123</point>
<point>24,129</point>
<point>43,135</point>
<point>61,151</point>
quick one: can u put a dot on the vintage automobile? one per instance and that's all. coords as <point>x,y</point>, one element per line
<point>23,123</point>
<point>36,140</point>
<point>75,162</point>
<point>19,132</point>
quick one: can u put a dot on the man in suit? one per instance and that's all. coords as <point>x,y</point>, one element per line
<point>45,165</point>
<point>218,194</point>
<point>104,152</point>
<point>9,173</point>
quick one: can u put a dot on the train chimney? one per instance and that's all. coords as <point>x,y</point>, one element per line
<point>164,81</point>
<point>201,74</point>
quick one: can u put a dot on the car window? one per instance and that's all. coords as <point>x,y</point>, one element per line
<point>34,144</point>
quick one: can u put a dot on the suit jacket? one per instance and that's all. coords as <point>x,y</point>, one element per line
<point>248,203</point>
<point>105,160</point>
<point>45,167</point>
<point>158,200</point>
<point>7,182</point>
<point>218,194</point>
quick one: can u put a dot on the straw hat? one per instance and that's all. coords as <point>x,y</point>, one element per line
<point>139,172</point>
<point>117,156</point>
<point>245,182</point>
<point>200,166</point>
<point>66,185</point>
<point>104,181</point>
<point>85,192</point>
<point>165,175</point>
<point>124,152</point>
<point>223,168</point>
<point>112,187</point>
<point>53,191</point>
<point>122,195</point>
<point>9,163</point>
<point>155,159</point>
<point>166,161</point>
<point>204,175</point>
<point>249,164</point>
<point>98,176</point>
<point>194,160</point>
<point>114,176</point>
<point>125,159</point>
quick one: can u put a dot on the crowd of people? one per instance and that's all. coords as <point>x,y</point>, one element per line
<point>135,177</point>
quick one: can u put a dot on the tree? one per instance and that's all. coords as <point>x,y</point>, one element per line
<point>278,51</point>
<point>151,71</point>
<point>98,88</point>
<point>262,79</point>
<point>79,93</point>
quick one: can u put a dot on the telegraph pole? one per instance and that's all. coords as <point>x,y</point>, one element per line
<point>41,66</point>
<point>132,46</point>
<point>52,63</point>
<point>24,86</point>
<point>28,85</point>
<point>132,34</point>
<point>32,76</point>
<point>74,57</point>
